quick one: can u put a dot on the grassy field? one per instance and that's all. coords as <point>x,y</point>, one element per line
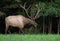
<point>27,37</point>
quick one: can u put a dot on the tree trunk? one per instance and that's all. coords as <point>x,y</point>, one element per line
<point>50,25</point>
<point>43,24</point>
<point>58,25</point>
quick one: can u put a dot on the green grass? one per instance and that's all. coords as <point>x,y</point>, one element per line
<point>28,37</point>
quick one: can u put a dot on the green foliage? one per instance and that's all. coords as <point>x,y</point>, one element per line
<point>50,11</point>
<point>58,12</point>
<point>33,11</point>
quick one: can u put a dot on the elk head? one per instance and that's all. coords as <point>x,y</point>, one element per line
<point>31,16</point>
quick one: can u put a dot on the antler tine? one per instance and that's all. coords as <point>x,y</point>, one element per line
<point>24,4</point>
<point>22,7</point>
<point>37,11</point>
<point>29,6</point>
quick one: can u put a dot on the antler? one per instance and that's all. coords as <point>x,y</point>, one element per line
<point>26,9</point>
<point>33,16</point>
<point>37,14</point>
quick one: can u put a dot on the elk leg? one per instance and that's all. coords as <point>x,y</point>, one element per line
<point>21,31</point>
<point>9,32</point>
<point>6,29</point>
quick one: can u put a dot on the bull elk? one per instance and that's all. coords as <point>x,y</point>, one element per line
<point>19,20</point>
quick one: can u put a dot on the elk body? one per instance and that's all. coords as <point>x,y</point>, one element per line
<point>18,21</point>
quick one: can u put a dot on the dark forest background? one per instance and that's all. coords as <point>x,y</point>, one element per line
<point>48,22</point>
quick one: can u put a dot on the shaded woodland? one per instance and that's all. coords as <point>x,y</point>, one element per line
<point>48,19</point>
